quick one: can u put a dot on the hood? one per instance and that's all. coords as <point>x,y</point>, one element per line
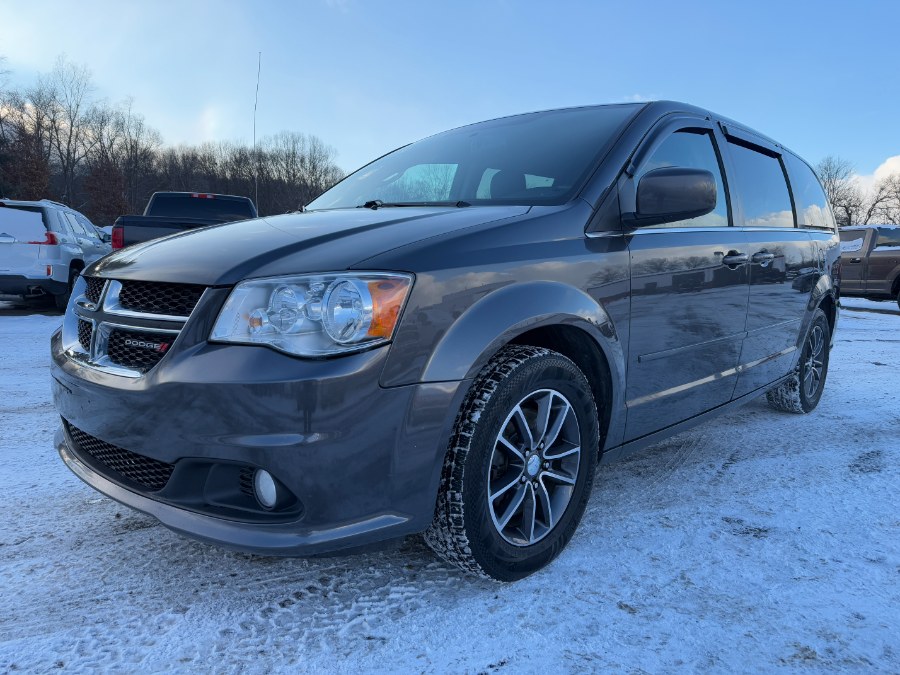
<point>297,243</point>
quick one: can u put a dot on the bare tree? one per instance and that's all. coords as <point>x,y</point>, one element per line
<point>69,121</point>
<point>841,189</point>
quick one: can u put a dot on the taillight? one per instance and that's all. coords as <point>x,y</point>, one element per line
<point>118,237</point>
<point>49,240</point>
<point>202,195</point>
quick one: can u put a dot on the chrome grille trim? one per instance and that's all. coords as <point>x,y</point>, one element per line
<point>108,316</point>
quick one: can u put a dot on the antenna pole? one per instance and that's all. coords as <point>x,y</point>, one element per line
<point>255,155</point>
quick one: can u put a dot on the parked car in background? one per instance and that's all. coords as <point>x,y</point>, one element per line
<point>870,258</point>
<point>44,245</point>
<point>172,212</point>
<point>449,340</point>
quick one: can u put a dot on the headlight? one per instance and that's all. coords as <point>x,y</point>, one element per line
<point>316,314</point>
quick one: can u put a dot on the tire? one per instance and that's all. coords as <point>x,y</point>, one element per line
<point>802,391</point>
<point>62,301</point>
<point>898,298</point>
<point>476,525</point>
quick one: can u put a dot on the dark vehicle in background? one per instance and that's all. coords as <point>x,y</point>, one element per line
<point>871,262</point>
<point>44,246</point>
<point>171,212</point>
<point>449,340</point>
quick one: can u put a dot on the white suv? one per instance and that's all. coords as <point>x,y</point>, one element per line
<point>43,248</point>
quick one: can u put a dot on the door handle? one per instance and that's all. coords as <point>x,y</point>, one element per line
<point>734,258</point>
<point>763,257</point>
<point>855,260</point>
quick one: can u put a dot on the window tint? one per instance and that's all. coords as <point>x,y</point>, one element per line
<point>809,197</point>
<point>23,223</point>
<point>179,205</point>
<point>763,192</point>
<point>538,158</point>
<point>888,237</point>
<point>692,150</point>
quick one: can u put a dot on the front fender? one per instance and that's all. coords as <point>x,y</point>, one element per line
<point>499,317</point>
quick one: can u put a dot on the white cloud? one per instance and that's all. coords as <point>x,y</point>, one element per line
<point>638,98</point>
<point>888,167</point>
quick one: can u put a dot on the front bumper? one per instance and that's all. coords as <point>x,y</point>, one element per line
<point>362,461</point>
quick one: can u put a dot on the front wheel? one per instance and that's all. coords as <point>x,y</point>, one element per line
<point>802,391</point>
<point>520,467</point>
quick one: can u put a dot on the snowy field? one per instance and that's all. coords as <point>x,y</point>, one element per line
<point>759,542</point>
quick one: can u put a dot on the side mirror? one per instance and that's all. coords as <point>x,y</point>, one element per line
<point>105,238</point>
<point>671,194</point>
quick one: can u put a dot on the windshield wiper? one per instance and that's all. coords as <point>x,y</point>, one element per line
<point>375,204</point>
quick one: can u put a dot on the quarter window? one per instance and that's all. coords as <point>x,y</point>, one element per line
<point>761,185</point>
<point>692,150</point>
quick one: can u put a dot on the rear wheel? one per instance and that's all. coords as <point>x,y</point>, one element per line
<point>62,301</point>
<point>520,467</point>
<point>802,391</point>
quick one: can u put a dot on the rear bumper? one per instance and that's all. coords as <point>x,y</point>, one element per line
<point>21,286</point>
<point>362,461</point>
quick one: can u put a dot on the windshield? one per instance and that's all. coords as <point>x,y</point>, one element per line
<point>538,158</point>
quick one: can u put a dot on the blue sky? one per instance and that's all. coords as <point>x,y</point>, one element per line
<point>821,77</point>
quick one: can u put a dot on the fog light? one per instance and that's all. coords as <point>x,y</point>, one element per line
<point>265,489</point>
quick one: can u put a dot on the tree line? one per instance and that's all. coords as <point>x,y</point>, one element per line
<point>59,142</point>
<point>851,202</point>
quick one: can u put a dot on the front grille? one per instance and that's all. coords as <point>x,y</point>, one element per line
<point>84,334</point>
<point>94,289</point>
<point>151,297</point>
<point>137,350</point>
<point>151,474</point>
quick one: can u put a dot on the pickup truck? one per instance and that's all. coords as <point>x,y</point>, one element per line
<point>870,260</point>
<point>171,212</point>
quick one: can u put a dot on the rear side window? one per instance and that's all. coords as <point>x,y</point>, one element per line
<point>852,241</point>
<point>22,223</point>
<point>888,237</point>
<point>77,227</point>
<point>692,150</point>
<point>762,188</point>
<point>809,197</point>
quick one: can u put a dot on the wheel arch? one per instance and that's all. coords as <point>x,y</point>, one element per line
<point>542,314</point>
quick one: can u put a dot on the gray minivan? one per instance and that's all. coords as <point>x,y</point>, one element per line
<point>44,246</point>
<point>450,339</point>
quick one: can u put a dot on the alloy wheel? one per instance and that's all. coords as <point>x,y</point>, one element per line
<point>534,467</point>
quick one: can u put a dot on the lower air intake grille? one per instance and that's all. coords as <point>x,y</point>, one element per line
<point>151,297</point>
<point>151,474</point>
<point>138,351</point>
<point>246,481</point>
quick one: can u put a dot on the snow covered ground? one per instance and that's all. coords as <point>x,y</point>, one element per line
<point>761,541</point>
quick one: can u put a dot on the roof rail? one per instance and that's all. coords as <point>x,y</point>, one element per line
<point>50,201</point>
